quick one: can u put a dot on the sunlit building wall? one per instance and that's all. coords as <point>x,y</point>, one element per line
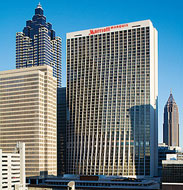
<point>112,93</point>
<point>28,114</point>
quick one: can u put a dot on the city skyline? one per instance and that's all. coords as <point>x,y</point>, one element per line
<point>168,28</point>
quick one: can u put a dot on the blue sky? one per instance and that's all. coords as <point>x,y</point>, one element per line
<point>69,16</point>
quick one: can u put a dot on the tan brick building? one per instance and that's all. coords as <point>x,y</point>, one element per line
<point>28,114</point>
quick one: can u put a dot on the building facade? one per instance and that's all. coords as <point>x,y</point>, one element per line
<point>172,168</point>
<point>28,114</point>
<point>171,123</point>
<point>112,91</point>
<point>12,169</point>
<point>61,130</point>
<point>163,150</point>
<point>37,45</point>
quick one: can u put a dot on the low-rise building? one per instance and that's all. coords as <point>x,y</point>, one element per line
<point>93,182</point>
<point>163,150</point>
<point>172,168</point>
<point>12,169</point>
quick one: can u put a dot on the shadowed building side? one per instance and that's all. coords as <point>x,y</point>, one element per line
<point>61,130</point>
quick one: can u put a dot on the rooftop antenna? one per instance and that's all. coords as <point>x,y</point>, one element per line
<point>39,5</point>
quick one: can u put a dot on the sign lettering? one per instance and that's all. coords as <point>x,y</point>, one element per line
<point>107,29</point>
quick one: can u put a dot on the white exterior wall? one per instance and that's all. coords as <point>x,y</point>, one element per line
<point>12,169</point>
<point>154,99</point>
<point>121,147</point>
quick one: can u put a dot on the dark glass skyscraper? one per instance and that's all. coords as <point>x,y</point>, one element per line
<point>61,130</point>
<point>37,45</point>
<point>171,123</point>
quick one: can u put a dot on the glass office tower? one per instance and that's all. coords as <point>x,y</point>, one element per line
<point>112,91</point>
<point>37,45</point>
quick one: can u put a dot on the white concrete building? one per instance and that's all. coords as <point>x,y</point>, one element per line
<point>112,93</point>
<point>12,169</point>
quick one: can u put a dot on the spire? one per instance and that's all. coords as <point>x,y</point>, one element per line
<point>39,6</point>
<point>39,10</point>
<point>171,99</point>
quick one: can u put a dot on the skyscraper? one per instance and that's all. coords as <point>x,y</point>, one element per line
<point>171,123</point>
<point>28,114</point>
<point>112,91</point>
<point>37,45</point>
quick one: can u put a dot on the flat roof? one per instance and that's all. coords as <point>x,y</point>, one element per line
<point>106,29</point>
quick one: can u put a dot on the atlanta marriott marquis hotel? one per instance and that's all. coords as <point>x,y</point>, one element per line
<point>112,90</point>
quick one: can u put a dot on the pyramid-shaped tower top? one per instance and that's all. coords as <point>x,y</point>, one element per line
<point>171,99</point>
<point>38,21</point>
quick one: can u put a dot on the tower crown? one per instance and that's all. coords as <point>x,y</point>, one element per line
<point>38,21</point>
<point>171,99</point>
<point>39,10</point>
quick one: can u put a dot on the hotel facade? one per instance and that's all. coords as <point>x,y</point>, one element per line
<point>28,114</point>
<point>112,93</point>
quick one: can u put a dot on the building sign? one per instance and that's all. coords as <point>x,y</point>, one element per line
<point>107,29</point>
